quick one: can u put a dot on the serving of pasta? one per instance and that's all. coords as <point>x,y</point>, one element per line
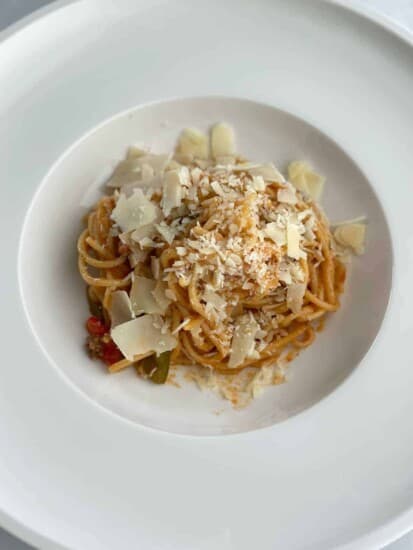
<point>204,261</point>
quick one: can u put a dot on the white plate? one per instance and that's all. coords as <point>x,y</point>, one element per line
<point>49,275</point>
<point>75,475</point>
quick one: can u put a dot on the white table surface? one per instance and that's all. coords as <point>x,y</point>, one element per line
<point>399,10</point>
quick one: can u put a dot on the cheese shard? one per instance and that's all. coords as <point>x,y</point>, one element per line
<point>352,236</point>
<point>137,168</point>
<point>213,299</point>
<point>287,194</point>
<point>135,151</point>
<point>166,231</point>
<point>134,212</point>
<point>172,191</point>
<point>158,163</point>
<point>293,241</point>
<point>159,293</point>
<point>193,143</point>
<point>154,183</point>
<point>120,308</point>
<point>227,160</point>
<point>243,341</point>
<point>258,183</point>
<point>222,140</point>
<point>142,335</point>
<point>276,233</point>
<point>142,299</point>
<point>284,273</point>
<point>295,296</point>
<point>268,171</point>
<point>303,177</point>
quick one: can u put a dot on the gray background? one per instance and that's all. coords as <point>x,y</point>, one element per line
<point>12,10</point>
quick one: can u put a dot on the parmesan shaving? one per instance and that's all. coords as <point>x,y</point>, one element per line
<point>135,152</point>
<point>268,171</point>
<point>158,163</point>
<point>134,212</point>
<point>172,191</point>
<point>351,236</point>
<point>222,141</point>
<point>213,299</point>
<point>295,296</point>
<point>227,160</point>
<point>293,242</point>
<point>193,143</point>
<point>276,233</point>
<point>142,298</point>
<point>287,194</point>
<point>258,183</point>
<point>284,273</point>
<point>305,179</point>
<point>159,293</point>
<point>147,171</point>
<point>120,308</point>
<point>243,341</point>
<point>153,183</point>
<point>166,231</point>
<point>142,335</point>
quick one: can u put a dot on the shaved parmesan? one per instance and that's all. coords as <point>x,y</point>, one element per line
<point>243,341</point>
<point>222,140</point>
<point>276,233</point>
<point>134,212</point>
<point>137,168</point>
<point>145,184</point>
<point>287,194</point>
<point>193,143</point>
<point>284,273</point>
<point>147,171</point>
<point>135,152</point>
<point>295,296</point>
<point>351,236</point>
<point>120,179</point>
<point>128,166</point>
<point>227,160</point>
<point>258,183</point>
<point>142,335</point>
<point>305,179</point>
<point>142,298</point>
<point>158,163</point>
<point>183,158</point>
<point>268,171</point>
<point>166,231</point>
<point>120,308</point>
<point>359,219</point>
<point>172,191</point>
<point>293,241</point>
<point>216,187</point>
<point>159,293</point>
<point>297,272</point>
<point>246,166</point>
<point>173,165</point>
<point>147,231</point>
<point>213,299</point>
<point>203,163</point>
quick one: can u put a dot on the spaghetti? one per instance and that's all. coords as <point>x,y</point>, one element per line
<point>241,264</point>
